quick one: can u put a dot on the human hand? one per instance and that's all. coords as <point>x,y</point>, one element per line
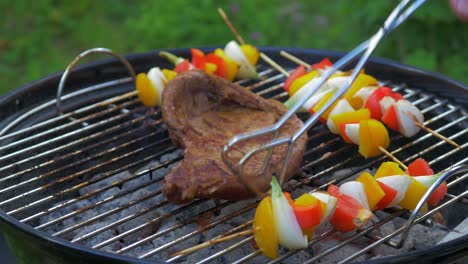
<point>460,8</point>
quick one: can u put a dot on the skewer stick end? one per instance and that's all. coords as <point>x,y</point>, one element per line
<point>392,157</point>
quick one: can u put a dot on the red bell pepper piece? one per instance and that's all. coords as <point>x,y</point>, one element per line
<point>182,67</point>
<point>349,213</point>
<point>198,59</point>
<point>420,167</point>
<point>390,194</point>
<point>221,70</point>
<point>298,72</point>
<point>373,101</point>
<point>322,64</point>
<point>390,119</point>
<point>308,216</point>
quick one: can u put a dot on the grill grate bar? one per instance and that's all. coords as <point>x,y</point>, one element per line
<point>100,190</point>
<point>275,90</point>
<point>199,230</point>
<point>238,228</point>
<point>70,134</point>
<point>159,233</point>
<point>401,229</point>
<point>84,119</point>
<point>86,183</point>
<point>98,203</point>
<point>65,115</point>
<point>81,141</point>
<point>101,216</point>
<point>125,219</point>
<point>88,158</point>
<point>359,234</point>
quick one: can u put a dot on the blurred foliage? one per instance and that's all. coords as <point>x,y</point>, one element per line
<point>40,37</point>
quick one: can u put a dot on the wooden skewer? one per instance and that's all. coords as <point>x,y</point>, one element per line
<point>391,156</point>
<point>212,242</point>
<point>231,26</point>
<point>242,42</point>
<point>295,59</point>
<point>434,133</point>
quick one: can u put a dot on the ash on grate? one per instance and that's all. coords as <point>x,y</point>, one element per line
<point>131,199</point>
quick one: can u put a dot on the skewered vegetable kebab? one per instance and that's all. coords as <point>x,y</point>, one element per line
<point>383,104</point>
<point>235,61</point>
<point>280,220</point>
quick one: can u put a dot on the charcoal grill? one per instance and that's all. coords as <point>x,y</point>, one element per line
<point>108,140</point>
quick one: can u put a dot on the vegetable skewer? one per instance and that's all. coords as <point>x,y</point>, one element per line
<point>282,221</point>
<point>391,108</point>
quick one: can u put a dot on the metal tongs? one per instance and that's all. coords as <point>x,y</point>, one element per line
<point>396,18</point>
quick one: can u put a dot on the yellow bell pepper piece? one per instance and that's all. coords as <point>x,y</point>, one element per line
<point>388,168</point>
<point>169,74</point>
<point>350,117</point>
<point>264,229</point>
<point>322,102</point>
<point>147,93</point>
<point>251,53</point>
<point>372,135</point>
<point>362,80</point>
<point>210,67</point>
<point>373,190</point>
<point>301,81</point>
<point>231,66</point>
<point>413,195</point>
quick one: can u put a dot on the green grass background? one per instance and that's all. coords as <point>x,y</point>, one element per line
<point>40,37</point>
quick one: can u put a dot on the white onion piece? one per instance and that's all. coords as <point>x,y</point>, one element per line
<point>302,93</point>
<point>246,70</point>
<point>338,82</point>
<point>399,183</point>
<point>427,180</point>
<point>385,103</point>
<point>157,78</point>
<point>364,93</point>
<point>352,132</point>
<point>342,106</point>
<point>356,190</point>
<point>406,115</point>
<point>330,201</point>
<point>289,232</point>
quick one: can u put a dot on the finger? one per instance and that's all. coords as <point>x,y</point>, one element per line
<point>460,8</point>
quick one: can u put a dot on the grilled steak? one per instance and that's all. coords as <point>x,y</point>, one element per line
<point>202,112</point>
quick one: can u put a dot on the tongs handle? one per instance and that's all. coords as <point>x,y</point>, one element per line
<point>396,17</point>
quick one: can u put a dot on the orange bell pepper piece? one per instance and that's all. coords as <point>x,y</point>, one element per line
<point>388,168</point>
<point>373,190</point>
<point>372,135</point>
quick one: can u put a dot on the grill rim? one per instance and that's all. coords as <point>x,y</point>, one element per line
<point>142,61</point>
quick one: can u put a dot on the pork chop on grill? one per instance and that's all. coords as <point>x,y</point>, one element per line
<point>202,113</point>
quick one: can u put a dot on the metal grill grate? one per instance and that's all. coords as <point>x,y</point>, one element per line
<point>104,162</point>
